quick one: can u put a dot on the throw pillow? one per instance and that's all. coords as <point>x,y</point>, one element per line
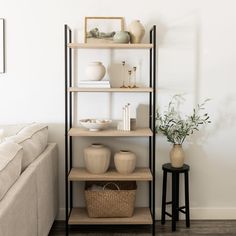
<point>33,138</point>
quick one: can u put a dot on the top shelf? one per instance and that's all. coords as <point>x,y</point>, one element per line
<point>110,46</point>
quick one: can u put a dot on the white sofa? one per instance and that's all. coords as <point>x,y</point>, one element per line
<point>30,205</point>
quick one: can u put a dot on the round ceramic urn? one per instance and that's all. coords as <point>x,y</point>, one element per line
<point>97,158</point>
<point>125,161</point>
<point>95,71</point>
<point>136,31</point>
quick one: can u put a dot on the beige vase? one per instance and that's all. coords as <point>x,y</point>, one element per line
<point>125,161</point>
<point>136,31</point>
<point>177,156</point>
<point>95,71</point>
<point>97,158</point>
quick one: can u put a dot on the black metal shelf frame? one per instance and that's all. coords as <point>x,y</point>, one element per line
<point>69,115</point>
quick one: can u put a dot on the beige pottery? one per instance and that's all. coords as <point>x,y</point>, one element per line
<point>97,158</point>
<point>136,31</point>
<point>125,161</point>
<point>95,71</point>
<point>177,156</point>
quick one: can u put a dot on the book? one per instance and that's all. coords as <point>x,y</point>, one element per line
<point>94,84</point>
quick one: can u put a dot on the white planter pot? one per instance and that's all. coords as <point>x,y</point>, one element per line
<point>97,158</point>
<point>125,162</point>
<point>95,71</point>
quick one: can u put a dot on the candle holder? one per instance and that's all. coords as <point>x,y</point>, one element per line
<point>123,74</point>
<point>130,75</point>
<point>134,76</point>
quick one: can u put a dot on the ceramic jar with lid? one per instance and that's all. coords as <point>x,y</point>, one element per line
<point>97,158</point>
<point>125,161</point>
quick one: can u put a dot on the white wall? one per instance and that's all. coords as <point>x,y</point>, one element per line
<point>196,55</point>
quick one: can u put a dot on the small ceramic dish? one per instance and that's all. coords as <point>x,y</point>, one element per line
<point>95,124</point>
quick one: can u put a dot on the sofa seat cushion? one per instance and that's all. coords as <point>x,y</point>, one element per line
<point>33,138</point>
<point>10,165</point>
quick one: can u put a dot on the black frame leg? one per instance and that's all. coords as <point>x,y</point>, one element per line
<point>174,203</point>
<point>187,199</point>
<point>163,207</point>
<point>177,196</point>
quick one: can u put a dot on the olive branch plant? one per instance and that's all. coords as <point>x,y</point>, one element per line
<point>177,128</point>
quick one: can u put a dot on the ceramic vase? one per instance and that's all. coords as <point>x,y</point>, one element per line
<point>97,158</point>
<point>121,37</point>
<point>125,162</point>
<point>136,31</point>
<point>95,71</point>
<point>177,156</point>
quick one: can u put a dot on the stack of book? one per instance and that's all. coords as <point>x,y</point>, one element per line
<point>94,84</point>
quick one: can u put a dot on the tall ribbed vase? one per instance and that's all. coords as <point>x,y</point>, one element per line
<point>177,156</point>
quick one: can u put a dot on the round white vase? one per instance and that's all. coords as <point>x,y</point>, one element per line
<point>177,156</point>
<point>95,71</point>
<point>125,161</point>
<point>97,158</point>
<point>136,31</point>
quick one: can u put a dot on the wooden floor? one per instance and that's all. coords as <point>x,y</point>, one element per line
<point>203,227</point>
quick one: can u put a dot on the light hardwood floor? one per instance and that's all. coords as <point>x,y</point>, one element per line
<point>203,227</point>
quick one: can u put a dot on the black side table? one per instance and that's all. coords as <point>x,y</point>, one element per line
<point>167,168</point>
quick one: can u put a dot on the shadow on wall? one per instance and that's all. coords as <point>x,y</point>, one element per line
<point>179,54</point>
<point>226,115</point>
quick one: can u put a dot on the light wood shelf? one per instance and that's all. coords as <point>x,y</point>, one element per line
<point>110,90</point>
<point>142,216</point>
<point>82,132</point>
<point>110,46</point>
<point>81,174</point>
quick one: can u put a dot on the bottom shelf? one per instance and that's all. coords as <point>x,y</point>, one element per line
<point>142,216</point>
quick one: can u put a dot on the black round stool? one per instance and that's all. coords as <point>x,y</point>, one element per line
<point>167,168</point>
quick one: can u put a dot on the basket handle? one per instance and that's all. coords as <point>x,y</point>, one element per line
<point>104,187</point>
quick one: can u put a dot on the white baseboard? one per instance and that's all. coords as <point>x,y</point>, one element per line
<point>195,214</point>
<point>207,214</point>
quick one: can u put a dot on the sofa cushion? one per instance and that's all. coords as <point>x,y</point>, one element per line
<point>1,134</point>
<point>33,138</point>
<point>11,129</point>
<point>10,165</point>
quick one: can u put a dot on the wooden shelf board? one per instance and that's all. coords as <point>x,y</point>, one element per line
<point>140,132</point>
<point>109,90</point>
<point>110,46</point>
<point>141,215</point>
<point>81,174</point>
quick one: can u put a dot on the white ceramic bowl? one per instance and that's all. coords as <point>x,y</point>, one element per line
<point>95,124</point>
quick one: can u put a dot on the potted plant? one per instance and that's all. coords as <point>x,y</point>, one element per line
<point>176,128</point>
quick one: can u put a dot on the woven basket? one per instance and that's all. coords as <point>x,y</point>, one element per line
<point>117,201</point>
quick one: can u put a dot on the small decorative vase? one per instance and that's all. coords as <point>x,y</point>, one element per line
<point>177,156</point>
<point>95,71</point>
<point>97,158</point>
<point>125,161</point>
<point>136,31</point>
<point>121,37</point>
